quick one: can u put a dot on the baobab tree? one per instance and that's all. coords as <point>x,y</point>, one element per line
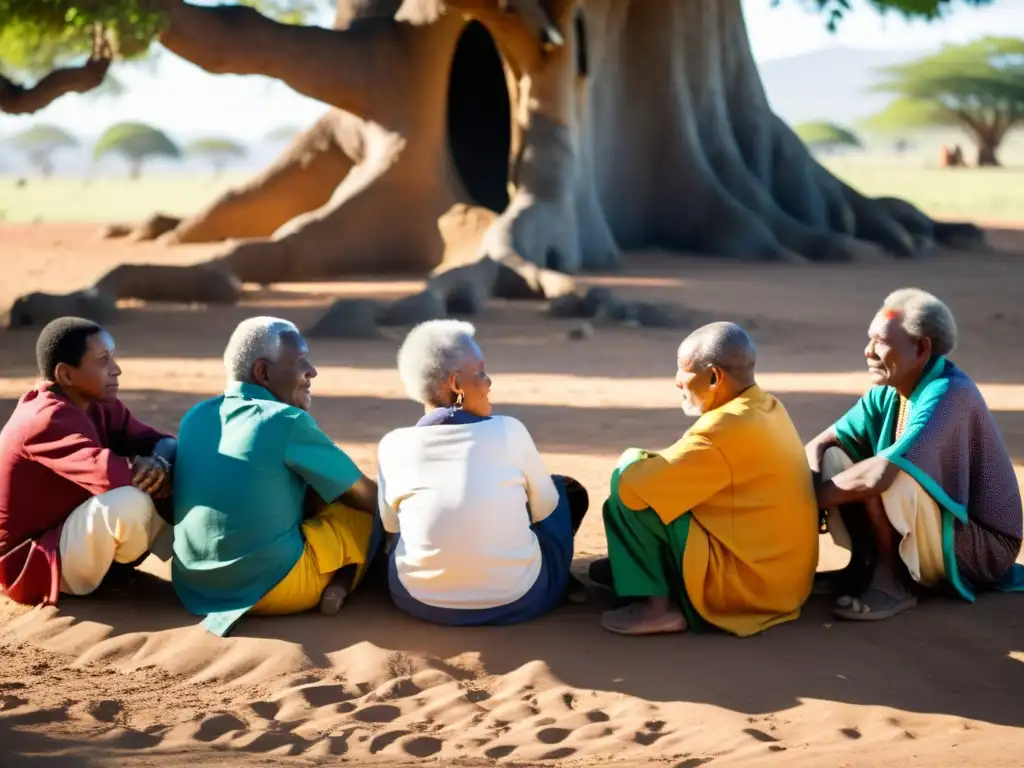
<point>590,126</point>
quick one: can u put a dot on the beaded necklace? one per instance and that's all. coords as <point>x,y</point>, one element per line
<point>901,418</point>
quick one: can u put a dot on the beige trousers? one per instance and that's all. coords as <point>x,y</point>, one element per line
<point>118,526</point>
<point>911,512</point>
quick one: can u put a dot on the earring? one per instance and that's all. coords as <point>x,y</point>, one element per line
<point>457,406</point>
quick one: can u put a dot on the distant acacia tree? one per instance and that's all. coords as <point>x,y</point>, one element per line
<point>218,151</point>
<point>136,143</point>
<point>819,134</point>
<point>40,142</point>
<point>977,87</point>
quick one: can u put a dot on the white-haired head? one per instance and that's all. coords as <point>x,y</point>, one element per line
<point>254,339</point>
<point>923,316</point>
<point>431,353</point>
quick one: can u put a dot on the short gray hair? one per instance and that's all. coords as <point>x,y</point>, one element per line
<point>254,339</point>
<point>924,316</point>
<point>432,352</point>
<point>721,344</point>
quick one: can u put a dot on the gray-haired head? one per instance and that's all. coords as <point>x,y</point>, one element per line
<point>923,316</point>
<point>431,353</point>
<point>721,345</point>
<point>254,339</point>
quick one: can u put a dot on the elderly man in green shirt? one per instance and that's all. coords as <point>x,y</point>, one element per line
<point>270,516</point>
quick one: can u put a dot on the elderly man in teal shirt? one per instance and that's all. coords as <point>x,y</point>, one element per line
<point>270,516</point>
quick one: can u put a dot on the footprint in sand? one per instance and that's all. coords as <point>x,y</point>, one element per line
<point>324,695</point>
<point>265,710</point>
<point>694,762</point>
<point>422,746</point>
<point>104,711</point>
<point>400,688</point>
<point>553,735</point>
<point>496,753</point>
<point>850,733</point>
<point>11,702</point>
<point>386,740</point>
<point>213,727</point>
<point>597,716</point>
<point>569,700</point>
<point>378,713</point>
<point>558,754</point>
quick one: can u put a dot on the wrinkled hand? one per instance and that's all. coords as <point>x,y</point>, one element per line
<point>152,476</point>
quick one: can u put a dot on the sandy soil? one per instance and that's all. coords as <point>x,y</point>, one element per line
<point>132,681</point>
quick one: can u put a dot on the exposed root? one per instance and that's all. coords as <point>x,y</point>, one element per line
<point>300,180</point>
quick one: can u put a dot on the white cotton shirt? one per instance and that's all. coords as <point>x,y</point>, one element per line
<point>458,495</point>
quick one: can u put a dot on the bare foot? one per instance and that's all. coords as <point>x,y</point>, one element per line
<point>646,617</point>
<point>332,599</point>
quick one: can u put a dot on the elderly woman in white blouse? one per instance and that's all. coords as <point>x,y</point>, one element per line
<point>485,533</point>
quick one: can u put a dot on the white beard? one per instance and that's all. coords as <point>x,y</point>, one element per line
<point>692,409</point>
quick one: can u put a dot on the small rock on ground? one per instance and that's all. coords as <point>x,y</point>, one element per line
<point>348,319</point>
<point>415,309</point>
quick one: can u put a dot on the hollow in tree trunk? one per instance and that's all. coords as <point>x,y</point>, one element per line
<point>648,128</point>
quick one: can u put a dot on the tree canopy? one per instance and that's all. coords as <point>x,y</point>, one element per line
<point>819,134</point>
<point>39,137</point>
<point>136,142</point>
<point>978,87</point>
<point>218,150</point>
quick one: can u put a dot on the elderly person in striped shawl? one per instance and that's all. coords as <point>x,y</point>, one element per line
<point>915,478</point>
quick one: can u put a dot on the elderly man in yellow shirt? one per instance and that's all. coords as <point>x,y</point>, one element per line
<point>721,528</point>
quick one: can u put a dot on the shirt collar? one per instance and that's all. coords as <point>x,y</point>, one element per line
<point>246,391</point>
<point>932,371</point>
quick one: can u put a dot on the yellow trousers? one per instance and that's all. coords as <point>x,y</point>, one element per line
<point>336,537</point>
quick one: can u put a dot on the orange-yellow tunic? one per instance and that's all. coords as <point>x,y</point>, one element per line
<point>742,475</point>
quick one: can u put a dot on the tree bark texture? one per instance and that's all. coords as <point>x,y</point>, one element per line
<point>647,128</point>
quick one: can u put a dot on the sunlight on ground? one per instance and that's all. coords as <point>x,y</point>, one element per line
<point>985,194</point>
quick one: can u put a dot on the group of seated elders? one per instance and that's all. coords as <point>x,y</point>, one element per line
<point>718,532</point>
<point>81,479</point>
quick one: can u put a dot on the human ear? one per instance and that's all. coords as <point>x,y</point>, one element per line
<point>260,372</point>
<point>62,374</point>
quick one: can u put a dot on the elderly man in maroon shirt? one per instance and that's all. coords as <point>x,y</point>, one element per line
<point>80,477</point>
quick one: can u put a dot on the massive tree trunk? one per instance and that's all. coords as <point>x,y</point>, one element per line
<point>987,152</point>
<point>648,128</point>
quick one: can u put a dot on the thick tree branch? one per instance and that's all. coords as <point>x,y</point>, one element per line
<point>337,67</point>
<point>16,99</point>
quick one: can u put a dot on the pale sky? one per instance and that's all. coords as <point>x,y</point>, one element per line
<point>187,102</point>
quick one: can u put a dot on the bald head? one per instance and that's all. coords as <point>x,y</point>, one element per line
<point>721,345</point>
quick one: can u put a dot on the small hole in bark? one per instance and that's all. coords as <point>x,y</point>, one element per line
<point>480,118</point>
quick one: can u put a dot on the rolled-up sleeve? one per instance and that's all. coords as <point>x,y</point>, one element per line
<point>313,456</point>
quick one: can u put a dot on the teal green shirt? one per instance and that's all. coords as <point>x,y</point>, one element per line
<point>245,461</point>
